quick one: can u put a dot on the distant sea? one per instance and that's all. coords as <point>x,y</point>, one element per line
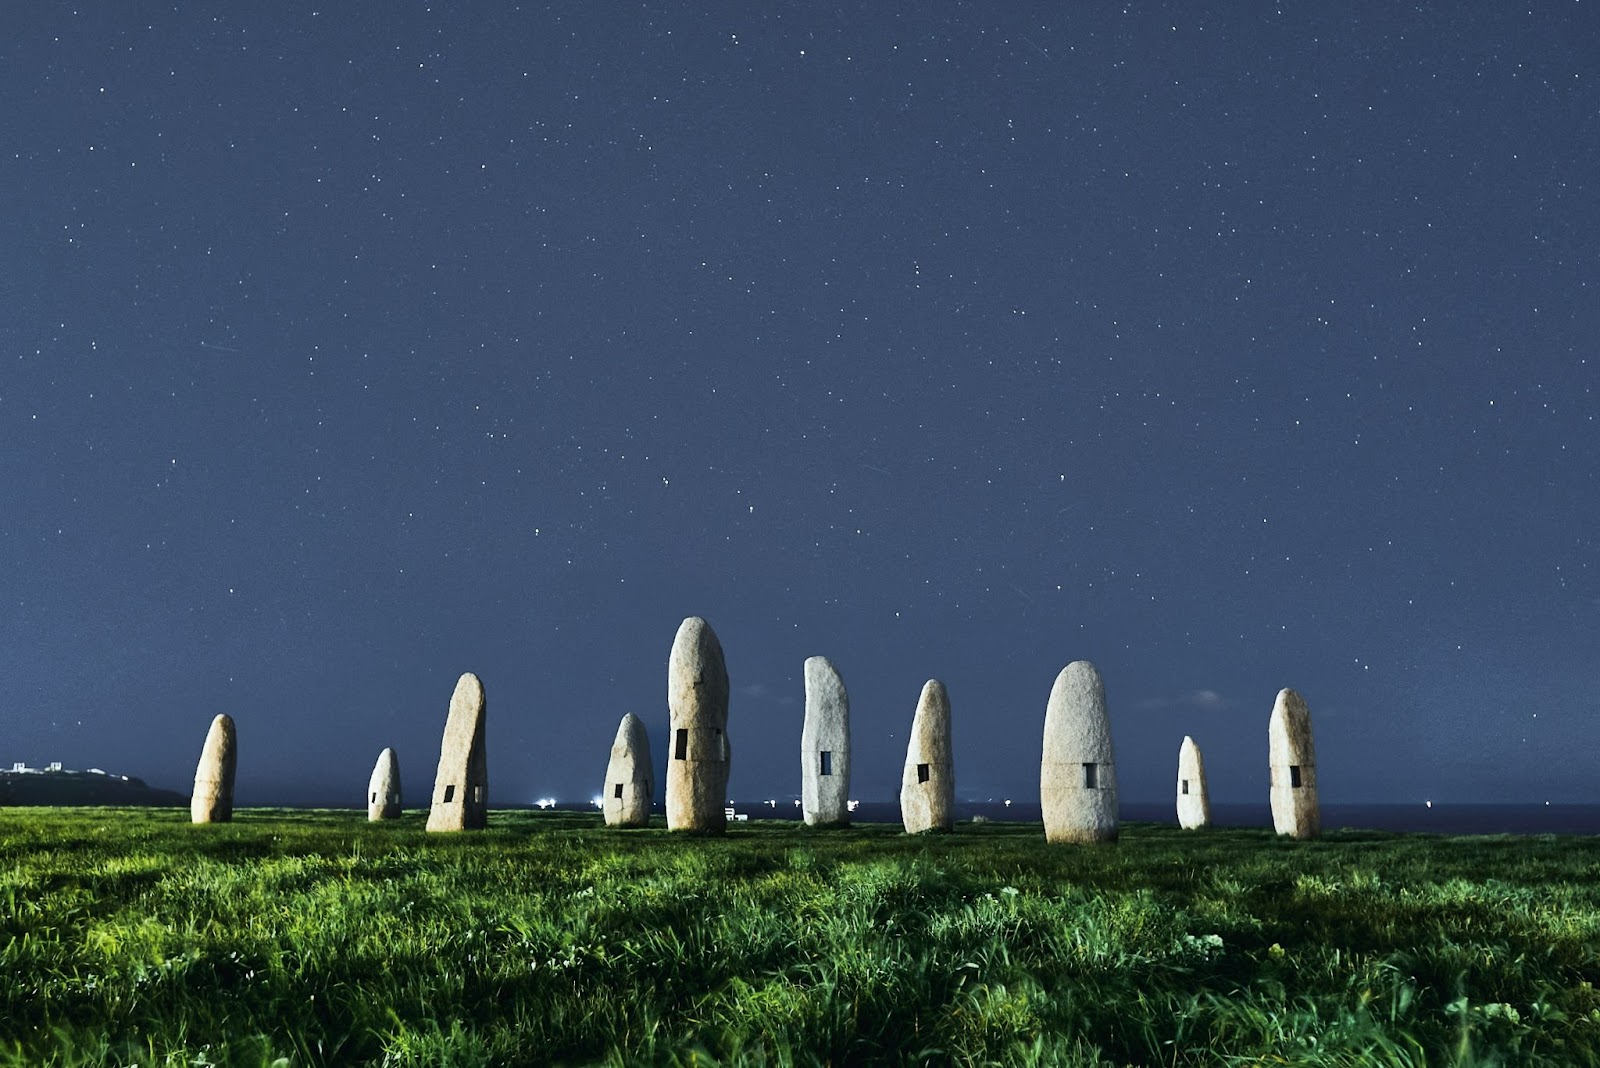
<point>1441,818</point>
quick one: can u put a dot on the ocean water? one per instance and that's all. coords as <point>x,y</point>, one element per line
<point>1440,818</point>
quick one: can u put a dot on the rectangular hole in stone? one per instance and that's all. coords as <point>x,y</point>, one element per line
<point>827,762</point>
<point>680,747</point>
<point>449,794</point>
<point>1294,776</point>
<point>922,773</point>
<point>617,793</point>
<point>477,795</point>
<point>374,799</point>
<point>1091,776</point>
<point>1185,786</point>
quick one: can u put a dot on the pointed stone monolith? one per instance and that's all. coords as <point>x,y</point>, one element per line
<point>1293,768</point>
<point>1194,800</point>
<point>697,707</point>
<point>383,788</point>
<point>461,785</point>
<point>212,800</point>
<point>1077,775</point>
<point>630,779</point>
<point>825,747</point>
<point>928,783</point>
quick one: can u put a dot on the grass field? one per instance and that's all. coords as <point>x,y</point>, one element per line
<point>129,936</point>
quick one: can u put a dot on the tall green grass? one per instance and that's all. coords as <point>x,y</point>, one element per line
<point>306,938</point>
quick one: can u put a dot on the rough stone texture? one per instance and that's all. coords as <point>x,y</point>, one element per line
<point>1077,774</point>
<point>212,800</point>
<point>461,785</point>
<point>630,781</point>
<point>825,798</point>
<point>928,783</point>
<point>698,753</point>
<point>383,789</point>
<point>1290,754</point>
<point>1194,799</point>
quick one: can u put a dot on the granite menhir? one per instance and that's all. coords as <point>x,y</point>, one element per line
<point>825,747</point>
<point>212,800</point>
<point>630,783</point>
<point>1293,767</point>
<point>1077,775</point>
<point>1194,799</point>
<point>383,788</point>
<point>697,707</point>
<point>461,785</point>
<point>928,783</point>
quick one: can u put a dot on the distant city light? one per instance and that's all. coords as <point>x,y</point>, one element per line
<point>546,802</point>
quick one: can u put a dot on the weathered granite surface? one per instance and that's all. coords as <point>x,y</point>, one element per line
<point>825,746</point>
<point>383,787</point>
<point>212,800</point>
<point>1292,760</point>
<point>630,776</point>
<point>1077,772</point>
<point>1194,798</point>
<point>461,783</point>
<point>928,783</point>
<point>698,754</point>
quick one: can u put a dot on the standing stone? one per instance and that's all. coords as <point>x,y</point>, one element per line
<point>1194,800</point>
<point>1077,775</point>
<point>825,747</point>
<point>928,783</point>
<point>697,705</point>
<point>461,785</point>
<point>1293,763</point>
<point>630,783</point>
<point>383,789</point>
<point>212,800</point>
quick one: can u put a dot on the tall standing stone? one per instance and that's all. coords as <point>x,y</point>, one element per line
<point>630,781</point>
<point>383,788</point>
<point>461,785</point>
<point>825,747</point>
<point>697,706</point>
<point>928,783</point>
<point>212,800</point>
<point>1293,768</point>
<point>1194,799</point>
<point>1077,775</point>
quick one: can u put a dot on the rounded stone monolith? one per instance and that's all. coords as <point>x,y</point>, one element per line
<point>1194,800</point>
<point>1293,768</point>
<point>825,747</point>
<point>212,800</point>
<point>697,707</point>
<point>1077,774</point>
<point>630,779</point>
<point>928,783</point>
<point>461,784</point>
<point>383,788</point>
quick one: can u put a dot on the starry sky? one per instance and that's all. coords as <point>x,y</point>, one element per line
<point>1228,346</point>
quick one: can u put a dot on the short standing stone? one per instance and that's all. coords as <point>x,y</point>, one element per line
<point>461,785</point>
<point>212,800</point>
<point>630,781</point>
<point>928,783</point>
<point>1293,768</point>
<point>697,707</point>
<point>1077,775</point>
<point>383,788</point>
<point>825,747</point>
<point>1194,800</point>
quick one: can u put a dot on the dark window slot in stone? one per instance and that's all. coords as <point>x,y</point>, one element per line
<point>922,773</point>
<point>827,762</point>
<point>1091,776</point>
<point>1294,776</point>
<point>680,750</point>
<point>449,794</point>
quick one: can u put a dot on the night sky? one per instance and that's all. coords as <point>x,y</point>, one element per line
<point>1226,346</point>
